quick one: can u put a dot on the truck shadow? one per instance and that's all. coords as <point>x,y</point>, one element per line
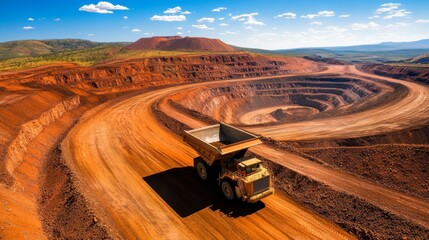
<point>186,194</point>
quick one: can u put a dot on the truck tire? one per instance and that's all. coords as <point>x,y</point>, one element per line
<point>228,190</point>
<point>202,169</point>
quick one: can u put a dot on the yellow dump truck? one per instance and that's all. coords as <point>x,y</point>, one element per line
<point>222,151</point>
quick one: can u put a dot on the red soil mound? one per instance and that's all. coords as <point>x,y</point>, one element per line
<point>150,43</point>
<point>179,43</point>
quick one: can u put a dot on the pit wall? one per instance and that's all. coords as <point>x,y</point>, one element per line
<point>415,74</point>
<point>325,95</point>
<point>160,71</point>
<point>27,132</point>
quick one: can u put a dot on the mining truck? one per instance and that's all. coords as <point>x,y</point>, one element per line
<point>222,149</point>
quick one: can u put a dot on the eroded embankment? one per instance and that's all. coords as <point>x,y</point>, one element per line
<point>31,170</point>
<point>30,130</point>
<point>400,167</point>
<point>400,72</point>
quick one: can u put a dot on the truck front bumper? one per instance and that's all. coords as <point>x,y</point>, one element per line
<point>259,196</point>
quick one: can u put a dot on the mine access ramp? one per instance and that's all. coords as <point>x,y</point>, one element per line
<point>222,149</point>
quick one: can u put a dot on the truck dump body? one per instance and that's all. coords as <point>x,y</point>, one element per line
<point>220,141</point>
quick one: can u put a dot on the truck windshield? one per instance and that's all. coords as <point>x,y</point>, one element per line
<point>252,168</point>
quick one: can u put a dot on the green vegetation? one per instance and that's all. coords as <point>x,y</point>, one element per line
<point>84,57</point>
<point>92,56</point>
<point>26,48</point>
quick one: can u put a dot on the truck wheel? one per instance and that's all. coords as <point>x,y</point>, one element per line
<point>228,190</point>
<point>202,170</point>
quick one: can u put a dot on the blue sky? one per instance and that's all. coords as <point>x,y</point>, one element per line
<point>278,24</point>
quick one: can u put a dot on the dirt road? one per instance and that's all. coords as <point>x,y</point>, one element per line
<point>139,173</point>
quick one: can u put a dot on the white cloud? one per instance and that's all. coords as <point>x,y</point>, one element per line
<point>267,34</point>
<point>248,19</point>
<point>315,23</point>
<point>397,25</point>
<point>174,10</point>
<point>146,33</point>
<point>288,15</point>
<point>202,27</point>
<point>365,26</point>
<point>326,14</point>
<point>179,33</point>
<point>398,13</point>
<point>125,17</point>
<point>169,18</point>
<point>223,24</point>
<point>91,34</point>
<point>310,16</point>
<point>221,19</point>
<point>206,19</point>
<point>320,14</point>
<point>229,32</point>
<point>219,9</point>
<point>27,27</point>
<point>135,30</point>
<point>179,28</point>
<point>422,21</point>
<point>30,19</point>
<point>344,16</point>
<point>334,29</point>
<point>57,19</point>
<point>390,10</point>
<point>387,8</point>
<point>102,7</point>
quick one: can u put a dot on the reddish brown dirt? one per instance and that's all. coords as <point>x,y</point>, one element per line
<point>161,71</point>
<point>169,196</point>
<point>65,212</point>
<point>298,165</point>
<point>39,96</point>
<point>357,216</point>
<point>401,167</point>
<point>118,173</point>
<point>150,43</point>
<point>400,72</point>
<point>178,43</point>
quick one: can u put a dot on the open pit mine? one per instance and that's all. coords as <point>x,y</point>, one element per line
<point>98,152</point>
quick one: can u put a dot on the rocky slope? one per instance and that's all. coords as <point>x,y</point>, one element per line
<point>160,71</point>
<point>400,72</point>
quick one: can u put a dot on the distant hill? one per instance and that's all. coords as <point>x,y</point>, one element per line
<point>24,48</point>
<point>174,43</point>
<point>384,46</point>
<point>382,52</point>
<point>422,59</point>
